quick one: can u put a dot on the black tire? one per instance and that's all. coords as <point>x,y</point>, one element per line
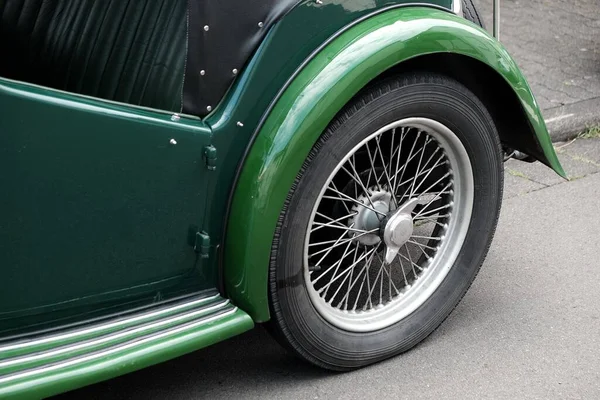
<point>295,322</point>
<point>471,13</point>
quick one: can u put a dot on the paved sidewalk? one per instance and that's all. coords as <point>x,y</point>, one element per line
<point>557,45</point>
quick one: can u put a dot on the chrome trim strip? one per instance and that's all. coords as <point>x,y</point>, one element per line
<point>107,338</point>
<point>497,19</point>
<point>112,350</point>
<point>457,7</point>
<point>81,332</point>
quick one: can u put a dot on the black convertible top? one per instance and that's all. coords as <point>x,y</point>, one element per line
<point>222,36</point>
<point>173,55</point>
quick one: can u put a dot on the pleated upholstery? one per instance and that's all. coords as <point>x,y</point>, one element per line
<point>132,51</point>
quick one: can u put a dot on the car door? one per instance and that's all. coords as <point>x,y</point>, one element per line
<point>101,205</point>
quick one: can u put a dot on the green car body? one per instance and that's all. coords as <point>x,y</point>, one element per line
<point>189,237</point>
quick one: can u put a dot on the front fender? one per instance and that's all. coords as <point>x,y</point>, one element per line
<point>309,104</point>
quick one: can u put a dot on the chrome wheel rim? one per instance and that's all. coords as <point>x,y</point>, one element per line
<point>388,225</point>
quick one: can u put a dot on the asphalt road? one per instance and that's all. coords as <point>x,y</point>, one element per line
<point>529,328</point>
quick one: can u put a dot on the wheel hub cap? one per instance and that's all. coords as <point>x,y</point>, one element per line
<point>367,219</point>
<point>398,229</point>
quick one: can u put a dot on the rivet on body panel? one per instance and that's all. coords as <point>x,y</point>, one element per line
<point>235,71</point>
<point>173,142</point>
<point>206,28</point>
<point>202,72</point>
<point>175,117</point>
<point>208,108</point>
<point>261,24</point>
<point>239,123</point>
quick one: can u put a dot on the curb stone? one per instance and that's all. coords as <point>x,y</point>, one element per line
<point>566,122</point>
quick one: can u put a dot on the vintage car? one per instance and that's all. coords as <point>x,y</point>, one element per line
<point>175,172</point>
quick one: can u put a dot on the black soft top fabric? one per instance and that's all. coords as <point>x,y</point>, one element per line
<point>222,36</point>
<point>135,51</point>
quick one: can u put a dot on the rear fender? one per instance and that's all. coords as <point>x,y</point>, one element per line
<point>336,74</point>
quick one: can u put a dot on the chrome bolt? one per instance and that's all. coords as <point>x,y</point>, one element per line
<point>208,108</point>
<point>235,71</point>
<point>202,72</point>
<point>206,28</point>
<point>175,117</point>
<point>239,123</point>
<point>261,24</point>
<point>173,142</point>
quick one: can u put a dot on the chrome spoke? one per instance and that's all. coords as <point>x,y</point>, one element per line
<point>339,262</point>
<point>436,197</point>
<point>344,204</point>
<point>368,253</point>
<point>390,279</point>
<point>331,222</point>
<point>336,241</point>
<point>412,263</point>
<point>421,213</point>
<point>344,227</point>
<point>348,229</point>
<point>434,184</point>
<point>421,245</point>
<point>385,171</point>
<point>364,268</point>
<point>406,284</point>
<point>425,221</point>
<point>370,295</point>
<point>409,158</point>
<point>347,277</point>
<point>347,296</point>
<point>392,147</point>
<point>318,264</point>
<point>362,284</point>
<point>357,180</point>
<point>381,268</point>
<point>399,153</point>
<point>418,171</point>
<point>427,237</point>
<point>372,161</point>
<point>428,218</point>
<point>424,171</point>
<point>336,244</point>
<point>345,197</point>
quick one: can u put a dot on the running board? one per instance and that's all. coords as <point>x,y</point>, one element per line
<point>54,363</point>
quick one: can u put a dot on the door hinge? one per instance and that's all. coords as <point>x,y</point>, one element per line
<point>210,155</point>
<point>202,244</point>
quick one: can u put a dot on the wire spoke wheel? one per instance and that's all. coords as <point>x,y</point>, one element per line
<point>388,225</point>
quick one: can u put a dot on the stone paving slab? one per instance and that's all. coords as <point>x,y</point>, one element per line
<point>583,150</point>
<point>579,158</point>
<point>556,43</point>
<point>515,186</point>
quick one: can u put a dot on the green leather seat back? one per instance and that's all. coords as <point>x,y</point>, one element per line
<point>131,51</point>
